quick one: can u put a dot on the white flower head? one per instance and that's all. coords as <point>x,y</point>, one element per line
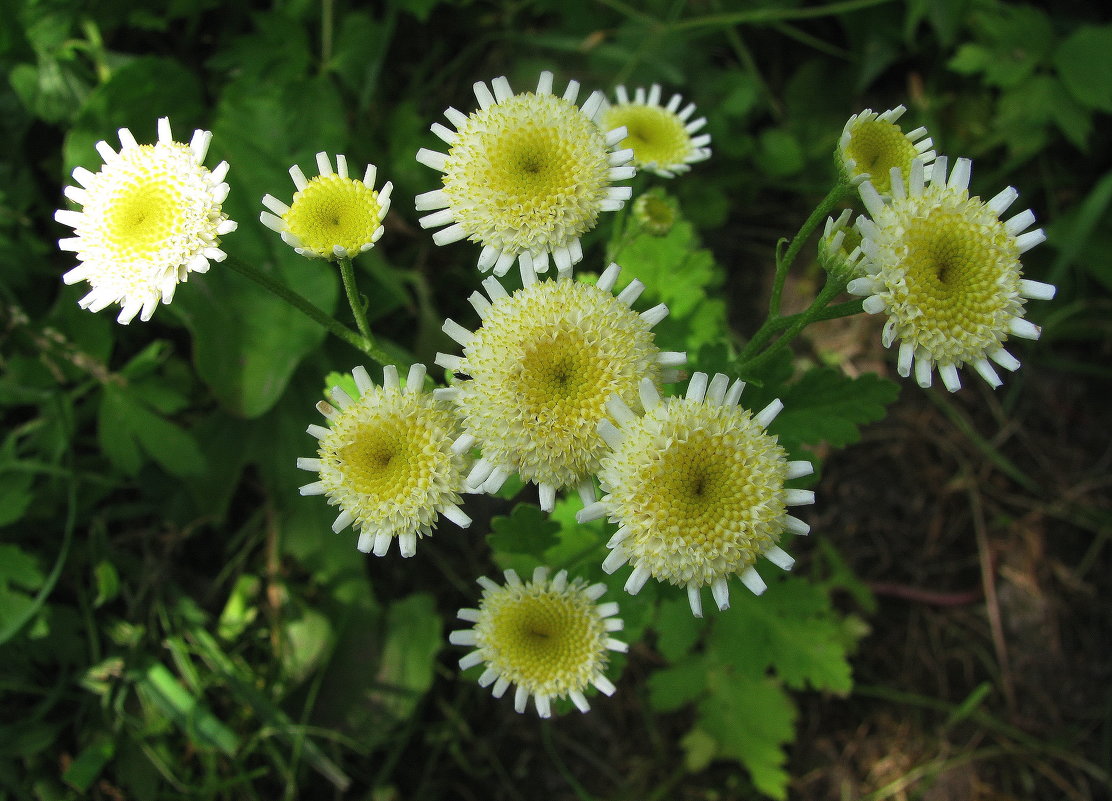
<point>696,486</point>
<point>541,367</point>
<point>664,138</point>
<point>150,216</point>
<point>872,144</point>
<point>945,269</point>
<point>386,459</point>
<point>525,175</point>
<point>332,216</point>
<point>549,638</point>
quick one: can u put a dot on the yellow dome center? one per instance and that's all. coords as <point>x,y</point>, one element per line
<point>527,174</point>
<point>331,211</point>
<point>656,135</point>
<point>951,273</point>
<point>542,367</point>
<point>876,146</point>
<point>699,488</point>
<point>547,641</point>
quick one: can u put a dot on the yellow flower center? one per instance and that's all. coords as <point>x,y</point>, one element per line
<point>699,488</point>
<point>542,367</point>
<point>527,174</point>
<point>144,214</point>
<point>549,642</point>
<point>387,460</point>
<point>951,272</point>
<point>876,146</point>
<point>656,135</point>
<point>331,211</point>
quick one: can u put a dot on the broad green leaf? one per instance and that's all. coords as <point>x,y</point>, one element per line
<point>276,51</point>
<point>241,608</point>
<point>406,666</point>
<point>826,405</point>
<point>791,629</point>
<point>114,434</point>
<point>19,568</point>
<point>1084,63</point>
<point>15,496</point>
<point>107,581</point>
<point>673,687</point>
<point>1025,112</point>
<point>677,629</point>
<point>52,90</point>
<point>752,718</point>
<point>780,153</point>
<point>526,531</point>
<point>1020,37</point>
<point>699,749</point>
<point>307,636</point>
<point>124,424</point>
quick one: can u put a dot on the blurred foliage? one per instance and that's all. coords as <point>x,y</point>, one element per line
<point>177,622</point>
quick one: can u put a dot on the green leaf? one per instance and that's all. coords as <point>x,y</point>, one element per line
<point>19,568</point>
<point>124,421</point>
<point>87,765</point>
<point>792,629</point>
<point>751,717</point>
<point>1025,112</point>
<point>826,405</point>
<point>406,668</point>
<point>107,582</point>
<point>15,496</point>
<point>1019,38</point>
<point>307,636</point>
<point>780,153</point>
<point>240,609</point>
<point>526,531</point>
<point>699,749</point>
<point>673,687</point>
<point>53,90</point>
<point>1084,63</point>
<point>677,629</point>
<point>165,693</point>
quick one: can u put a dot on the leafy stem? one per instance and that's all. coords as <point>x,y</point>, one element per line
<point>303,305</point>
<point>793,324</point>
<point>784,262</point>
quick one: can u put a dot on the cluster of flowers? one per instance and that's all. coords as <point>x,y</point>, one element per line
<point>560,381</point>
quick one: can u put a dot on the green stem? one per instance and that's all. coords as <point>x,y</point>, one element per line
<point>846,309</point>
<point>347,273</point>
<point>784,263</point>
<point>816,311</point>
<point>299,302</point>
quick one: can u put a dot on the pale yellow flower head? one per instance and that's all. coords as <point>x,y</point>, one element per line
<point>541,367</point>
<point>696,486</point>
<point>872,144</point>
<point>332,215</point>
<point>150,216</point>
<point>945,269</point>
<point>386,460</point>
<point>549,638</point>
<point>525,175</point>
<point>664,138</point>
